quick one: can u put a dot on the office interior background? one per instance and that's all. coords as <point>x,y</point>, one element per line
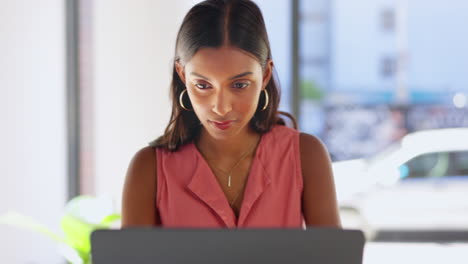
<point>85,85</point>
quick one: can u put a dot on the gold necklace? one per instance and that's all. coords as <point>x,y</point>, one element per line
<point>235,165</point>
<point>231,203</point>
<point>234,200</point>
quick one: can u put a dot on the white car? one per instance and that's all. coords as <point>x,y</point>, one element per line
<point>421,183</point>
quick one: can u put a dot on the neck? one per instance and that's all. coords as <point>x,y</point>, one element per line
<point>228,149</point>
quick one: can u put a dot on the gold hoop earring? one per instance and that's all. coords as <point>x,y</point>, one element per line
<point>181,101</point>
<point>266,99</point>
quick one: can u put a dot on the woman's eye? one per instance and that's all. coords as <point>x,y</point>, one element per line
<point>202,86</point>
<point>240,85</point>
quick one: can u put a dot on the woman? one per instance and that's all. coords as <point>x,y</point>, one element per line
<point>227,159</point>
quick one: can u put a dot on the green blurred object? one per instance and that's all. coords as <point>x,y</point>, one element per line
<point>82,215</point>
<point>311,91</point>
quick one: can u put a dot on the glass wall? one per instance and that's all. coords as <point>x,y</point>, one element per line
<point>384,85</point>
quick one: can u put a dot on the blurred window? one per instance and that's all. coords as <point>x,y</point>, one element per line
<point>438,164</point>
<point>460,163</point>
<point>428,165</point>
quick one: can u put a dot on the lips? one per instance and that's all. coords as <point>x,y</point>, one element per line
<point>222,125</point>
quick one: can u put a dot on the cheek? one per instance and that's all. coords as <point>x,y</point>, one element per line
<point>200,104</point>
<point>248,104</point>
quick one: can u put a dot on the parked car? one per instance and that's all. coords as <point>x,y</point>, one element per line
<point>420,183</point>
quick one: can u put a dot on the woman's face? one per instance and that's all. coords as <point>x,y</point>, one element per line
<point>224,85</point>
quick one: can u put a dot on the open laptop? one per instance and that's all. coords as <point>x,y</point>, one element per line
<point>227,246</point>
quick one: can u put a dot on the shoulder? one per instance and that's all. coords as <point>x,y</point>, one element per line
<point>318,183</point>
<point>142,168</point>
<point>311,146</point>
<point>144,158</point>
<point>139,189</point>
<point>315,159</point>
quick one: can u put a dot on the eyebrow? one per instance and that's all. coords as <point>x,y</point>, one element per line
<point>232,78</point>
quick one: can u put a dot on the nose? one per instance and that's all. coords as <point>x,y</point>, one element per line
<point>222,103</point>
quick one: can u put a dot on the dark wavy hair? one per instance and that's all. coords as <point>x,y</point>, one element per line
<point>214,23</point>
